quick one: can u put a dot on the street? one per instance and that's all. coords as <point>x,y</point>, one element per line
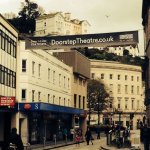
<point>97,145</point>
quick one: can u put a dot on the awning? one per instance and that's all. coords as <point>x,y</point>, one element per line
<point>49,107</point>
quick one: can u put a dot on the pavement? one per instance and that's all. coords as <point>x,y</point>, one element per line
<point>98,144</point>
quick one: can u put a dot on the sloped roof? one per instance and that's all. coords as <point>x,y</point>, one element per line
<point>51,15</point>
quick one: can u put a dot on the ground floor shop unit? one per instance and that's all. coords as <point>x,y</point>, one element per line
<point>7,116</point>
<point>41,122</point>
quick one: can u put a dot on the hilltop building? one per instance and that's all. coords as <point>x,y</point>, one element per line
<point>59,23</point>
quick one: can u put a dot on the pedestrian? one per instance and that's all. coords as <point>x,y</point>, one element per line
<point>146,137</point>
<point>72,134</point>
<point>98,132</point>
<point>15,139</point>
<point>77,139</point>
<point>65,134</point>
<point>88,136</point>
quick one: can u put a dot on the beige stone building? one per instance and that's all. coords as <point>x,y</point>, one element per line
<point>8,67</point>
<point>59,23</point>
<point>124,84</point>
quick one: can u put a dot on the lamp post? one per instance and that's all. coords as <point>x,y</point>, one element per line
<point>119,111</point>
<point>89,119</point>
<point>98,112</point>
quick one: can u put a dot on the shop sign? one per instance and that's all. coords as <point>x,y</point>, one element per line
<point>7,101</point>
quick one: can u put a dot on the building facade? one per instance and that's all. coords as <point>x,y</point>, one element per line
<point>8,67</point>
<point>60,24</point>
<point>81,73</point>
<point>44,96</point>
<point>146,24</point>
<point>124,85</point>
<point>124,50</point>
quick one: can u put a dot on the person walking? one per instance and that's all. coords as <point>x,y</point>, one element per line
<point>15,139</point>
<point>77,139</point>
<point>88,136</point>
<point>98,132</point>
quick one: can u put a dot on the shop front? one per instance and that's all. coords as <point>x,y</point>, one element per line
<point>46,121</point>
<point>8,109</point>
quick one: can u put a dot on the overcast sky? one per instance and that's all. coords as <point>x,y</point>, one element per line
<point>103,15</point>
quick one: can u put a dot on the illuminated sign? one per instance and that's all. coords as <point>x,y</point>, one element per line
<point>7,101</point>
<point>84,40</point>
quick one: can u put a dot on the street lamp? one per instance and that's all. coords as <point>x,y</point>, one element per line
<point>119,111</point>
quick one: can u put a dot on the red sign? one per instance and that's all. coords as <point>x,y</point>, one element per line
<point>27,106</point>
<point>7,101</point>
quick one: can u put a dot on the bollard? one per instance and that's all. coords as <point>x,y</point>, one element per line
<point>54,137</point>
<point>44,141</point>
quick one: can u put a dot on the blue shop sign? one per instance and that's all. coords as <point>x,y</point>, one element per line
<point>49,107</point>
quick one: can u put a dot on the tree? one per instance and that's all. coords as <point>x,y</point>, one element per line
<point>25,21</point>
<point>98,97</point>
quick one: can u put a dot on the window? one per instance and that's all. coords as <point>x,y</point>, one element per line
<point>53,99</point>
<point>64,81</point>
<point>132,89</point>
<point>119,88</point>
<point>83,102</point>
<point>68,83</point>
<point>79,101</point>
<point>119,77</point>
<point>48,98</point>
<point>119,103</point>
<point>39,70</point>
<point>33,69</point>
<point>132,104</point>
<point>102,76</point>
<point>23,94</point>
<point>111,88</point>
<point>33,95</point>
<point>132,78</point>
<point>126,89</point>
<point>59,100</point>
<point>49,74</point>
<point>93,75</point>
<point>59,79</point>
<point>24,65</point>
<point>126,77</point>
<point>75,100</point>
<point>137,79</point>
<point>39,96</point>
<point>126,103</point>
<point>53,76</point>
<point>110,76</point>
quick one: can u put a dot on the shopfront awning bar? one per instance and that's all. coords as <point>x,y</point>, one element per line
<point>49,107</point>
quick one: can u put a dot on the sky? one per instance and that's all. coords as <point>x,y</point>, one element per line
<point>103,15</point>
